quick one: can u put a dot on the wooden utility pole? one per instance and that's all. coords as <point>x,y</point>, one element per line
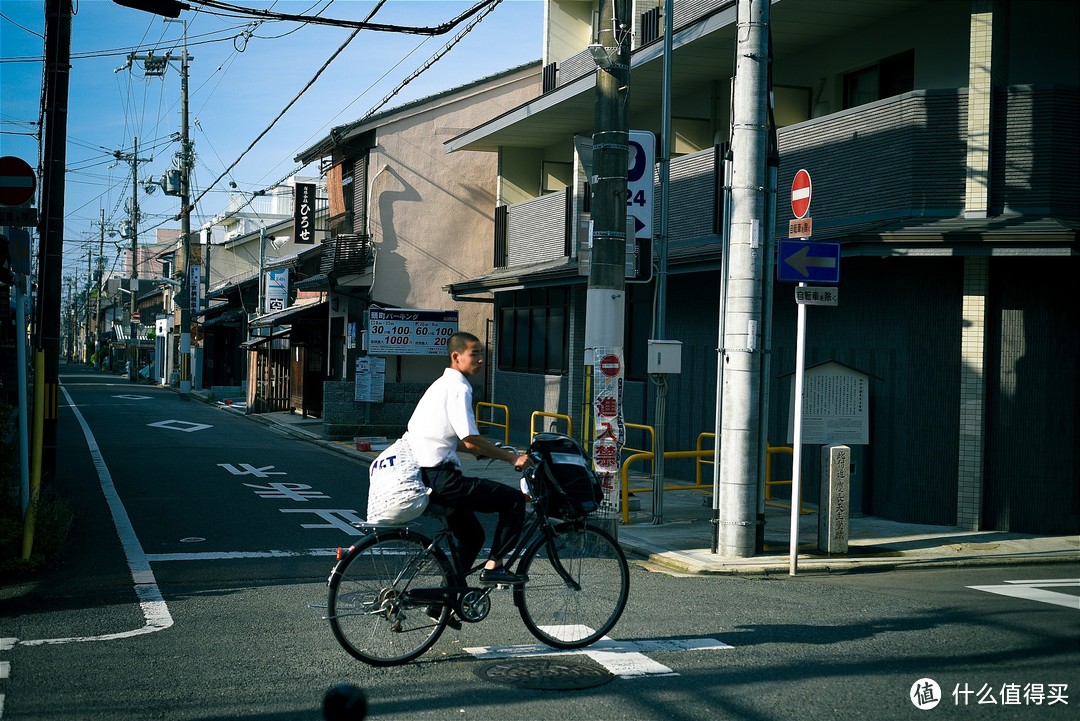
<point>51,231</point>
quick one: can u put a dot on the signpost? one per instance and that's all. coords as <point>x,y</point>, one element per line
<point>802,261</point>
<point>801,190</point>
<point>17,181</point>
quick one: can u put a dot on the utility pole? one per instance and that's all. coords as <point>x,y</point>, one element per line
<point>97,311</point>
<point>155,66</point>
<point>735,502</point>
<point>50,251</point>
<point>134,159</point>
<point>188,290</point>
<point>133,338</point>
<point>86,306</point>
<point>606,295</point>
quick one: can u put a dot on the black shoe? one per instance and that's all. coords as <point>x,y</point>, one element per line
<point>501,577</point>
<point>452,620</point>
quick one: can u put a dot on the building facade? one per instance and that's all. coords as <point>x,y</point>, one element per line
<point>941,141</point>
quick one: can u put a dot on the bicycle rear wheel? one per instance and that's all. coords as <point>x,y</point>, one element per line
<point>379,593</point>
<point>579,608</point>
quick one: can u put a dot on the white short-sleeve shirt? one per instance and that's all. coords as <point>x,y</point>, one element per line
<point>443,416</point>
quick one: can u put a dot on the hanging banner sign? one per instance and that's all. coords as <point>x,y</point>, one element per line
<point>402,331</point>
<point>609,431</point>
<point>304,213</point>
<point>194,278</point>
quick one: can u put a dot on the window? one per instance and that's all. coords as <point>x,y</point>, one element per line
<point>891,76</point>
<point>533,331</point>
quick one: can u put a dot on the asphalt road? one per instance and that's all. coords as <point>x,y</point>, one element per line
<point>199,548</point>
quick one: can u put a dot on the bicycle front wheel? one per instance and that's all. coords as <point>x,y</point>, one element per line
<point>577,589</point>
<point>379,594</point>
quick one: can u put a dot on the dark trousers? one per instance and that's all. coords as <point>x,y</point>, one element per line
<point>466,495</point>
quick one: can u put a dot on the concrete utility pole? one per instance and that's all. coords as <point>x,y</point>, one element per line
<point>605,303</point>
<point>97,312</point>
<point>155,66</point>
<point>186,289</point>
<point>133,338</point>
<point>735,492</point>
<point>133,307</point>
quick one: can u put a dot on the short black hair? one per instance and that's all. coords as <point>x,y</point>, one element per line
<point>458,342</point>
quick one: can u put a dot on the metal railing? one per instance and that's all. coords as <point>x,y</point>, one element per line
<point>557,416</point>
<point>505,425</point>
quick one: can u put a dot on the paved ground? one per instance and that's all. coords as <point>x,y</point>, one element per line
<point>683,539</point>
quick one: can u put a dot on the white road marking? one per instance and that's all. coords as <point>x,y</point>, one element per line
<point>1038,591</point>
<point>155,612</point>
<point>175,425</point>
<point>128,397</point>
<point>230,555</point>
<point>625,659</point>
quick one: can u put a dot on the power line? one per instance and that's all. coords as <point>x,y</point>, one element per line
<point>365,24</point>
<point>292,102</point>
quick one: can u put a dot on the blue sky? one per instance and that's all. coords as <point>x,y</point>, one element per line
<point>240,79</point>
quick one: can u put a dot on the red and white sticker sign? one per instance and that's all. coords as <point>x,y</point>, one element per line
<point>610,365</point>
<point>800,194</point>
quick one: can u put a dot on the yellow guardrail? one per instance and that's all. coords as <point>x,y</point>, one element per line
<point>770,451</point>
<point>704,456</point>
<point>709,460</point>
<point>557,416</point>
<point>649,433</point>
<point>505,425</point>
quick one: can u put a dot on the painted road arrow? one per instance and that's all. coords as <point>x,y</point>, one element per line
<point>802,261</point>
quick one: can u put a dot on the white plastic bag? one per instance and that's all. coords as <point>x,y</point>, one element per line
<point>397,493</point>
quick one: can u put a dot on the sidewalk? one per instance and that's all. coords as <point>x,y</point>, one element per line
<point>683,541</point>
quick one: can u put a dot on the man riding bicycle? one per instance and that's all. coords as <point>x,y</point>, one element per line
<point>442,424</point>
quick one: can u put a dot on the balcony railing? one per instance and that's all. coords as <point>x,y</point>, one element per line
<point>900,157</point>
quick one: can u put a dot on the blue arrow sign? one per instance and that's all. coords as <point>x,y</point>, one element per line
<point>802,261</point>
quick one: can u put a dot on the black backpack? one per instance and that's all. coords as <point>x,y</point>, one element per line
<point>565,485</point>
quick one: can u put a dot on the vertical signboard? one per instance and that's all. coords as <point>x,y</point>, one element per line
<point>277,289</point>
<point>370,379</point>
<point>609,430</point>
<point>194,283</point>
<point>304,213</point>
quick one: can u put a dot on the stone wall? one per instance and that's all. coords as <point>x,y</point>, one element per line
<point>344,417</point>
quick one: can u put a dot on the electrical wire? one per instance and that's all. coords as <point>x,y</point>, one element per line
<point>292,102</point>
<point>433,59</point>
<point>228,10</point>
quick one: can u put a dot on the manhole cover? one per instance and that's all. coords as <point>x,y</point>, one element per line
<point>546,674</point>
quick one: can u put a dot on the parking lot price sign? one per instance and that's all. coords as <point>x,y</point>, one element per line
<point>404,331</point>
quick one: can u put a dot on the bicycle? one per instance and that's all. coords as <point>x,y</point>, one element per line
<point>394,592</point>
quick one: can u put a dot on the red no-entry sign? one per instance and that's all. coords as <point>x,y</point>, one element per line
<point>800,194</point>
<point>17,181</point>
<point>609,365</point>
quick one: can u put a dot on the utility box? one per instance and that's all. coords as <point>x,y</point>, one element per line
<point>665,356</point>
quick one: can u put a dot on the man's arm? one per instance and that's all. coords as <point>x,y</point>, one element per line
<point>480,446</point>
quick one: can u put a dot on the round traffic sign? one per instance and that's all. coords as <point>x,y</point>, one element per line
<point>800,194</point>
<point>609,365</point>
<point>17,181</point>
